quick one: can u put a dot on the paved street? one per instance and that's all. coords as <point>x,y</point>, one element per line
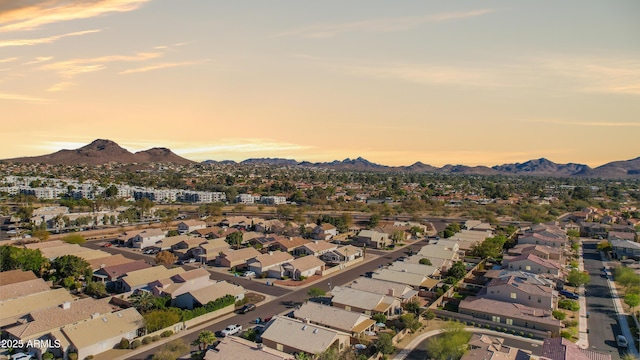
<point>603,321</point>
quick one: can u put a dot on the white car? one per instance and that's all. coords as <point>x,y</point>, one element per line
<point>231,330</point>
<point>249,274</point>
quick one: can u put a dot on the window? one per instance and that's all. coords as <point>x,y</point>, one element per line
<point>539,300</point>
<point>279,347</point>
<point>528,268</point>
<point>348,308</point>
<point>513,295</point>
<point>508,321</point>
<point>495,318</point>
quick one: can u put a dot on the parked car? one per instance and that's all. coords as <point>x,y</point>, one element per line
<point>190,261</point>
<point>245,309</point>
<point>249,274</point>
<point>621,341</point>
<point>569,294</point>
<point>231,330</point>
<point>107,245</point>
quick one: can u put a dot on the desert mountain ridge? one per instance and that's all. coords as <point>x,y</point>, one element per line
<point>102,151</point>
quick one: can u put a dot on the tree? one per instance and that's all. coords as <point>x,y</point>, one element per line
<point>71,267</point>
<point>165,258</point>
<point>451,344</point>
<point>573,233</point>
<point>490,248</point>
<point>315,292</point>
<point>626,277</point>
<point>425,261</point>
<point>379,318</point>
<point>41,234</point>
<point>384,344</point>
<point>410,321</point>
<point>429,315</point>
<point>604,246</point>
<point>413,306</point>
<point>578,278</point>
<point>205,338</point>
<point>632,300</point>
<point>12,258</point>
<point>397,236</point>
<point>374,219</point>
<point>95,288</point>
<point>143,301</point>
<point>74,239</point>
<point>160,319</point>
<point>457,270</point>
<point>235,238</point>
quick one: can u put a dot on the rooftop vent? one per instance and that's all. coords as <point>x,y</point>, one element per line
<point>304,327</point>
<point>66,305</point>
<point>315,331</point>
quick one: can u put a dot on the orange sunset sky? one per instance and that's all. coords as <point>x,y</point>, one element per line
<point>461,82</point>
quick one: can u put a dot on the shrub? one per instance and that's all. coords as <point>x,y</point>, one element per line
<point>568,305</point>
<point>47,356</point>
<point>155,338</point>
<point>73,356</point>
<point>147,340</point>
<point>124,343</point>
<point>570,323</point>
<point>90,357</point>
<point>166,333</point>
<point>565,334</point>
<point>560,315</point>
<point>135,344</point>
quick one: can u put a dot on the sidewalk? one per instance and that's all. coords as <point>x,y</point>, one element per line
<point>583,331</point>
<point>622,315</point>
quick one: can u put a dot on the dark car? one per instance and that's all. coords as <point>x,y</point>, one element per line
<point>245,309</point>
<point>569,294</point>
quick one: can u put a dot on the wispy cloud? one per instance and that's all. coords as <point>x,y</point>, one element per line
<point>6,60</point>
<point>616,75</point>
<point>384,25</point>
<point>20,15</point>
<point>44,40</point>
<point>587,123</point>
<point>63,85</point>
<point>20,97</point>
<point>70,68</point>
<point>428,73</point>
<point>160,66</point>
<point>39,59</point>
<point>243,146</point>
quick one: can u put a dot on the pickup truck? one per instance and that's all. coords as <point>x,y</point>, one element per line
<point>231,330</point>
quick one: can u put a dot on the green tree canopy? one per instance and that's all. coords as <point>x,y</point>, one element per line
<point>70,266</point>
<point>13,258</point>
<point>578,278</point>
<point>457,270</point>
<point>451,344</point>
<point>316,292</point>
<point>74,239</point>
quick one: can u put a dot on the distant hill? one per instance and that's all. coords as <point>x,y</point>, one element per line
<point>101,152</point>
<point>104,151</point>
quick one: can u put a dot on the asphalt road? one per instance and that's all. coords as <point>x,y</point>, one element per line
<point>603,321</point>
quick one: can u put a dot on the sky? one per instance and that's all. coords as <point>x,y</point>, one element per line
<point>440,82</point>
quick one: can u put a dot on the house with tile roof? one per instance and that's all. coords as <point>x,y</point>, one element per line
<point>117,259</point>
<point>236,348</point>
<point>101,333</point>
<point>213,232</point>
<point>372,239</point>
<point>288,244</point>
<point>181,283</point>
<point>364,302</point>
<point>403,292</point>
<point>16,276</point>
<point>295,336</point>
<point>140,279</point>
<point>11,310</point>
<point>532,264</point>
<point>304,266</point>
<point>23,288</point>
<point>334,318</point>
<point>316,248</point>
<point>146,238</point>
<point>511,314</point>
<point>109,275</point>
<point>342,254</point>
<point>541,251</point>
<point>208,251</point>
<point>562,349</point>
<point>202,296</point>
<point>270,263</point>
<point>403,277</point>
<point>485,347</point>
<point>235,258</point>
<point>516,290</point>
<point>324,231</point>
<point>189,226</point>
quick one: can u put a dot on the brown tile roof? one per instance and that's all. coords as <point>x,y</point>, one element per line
<point>45,320</point>
<point>241,254</point>
<point>23,288</point>
<point>273,257</point>
<point>15,276</point>
<point>112,260</point>
<point>102,328</point>
<point>292,242</point>
<point>117,271</point>
<point>191,275</point>
<point>306,263</point>
<point>563,349</point>
<point>535,259</point>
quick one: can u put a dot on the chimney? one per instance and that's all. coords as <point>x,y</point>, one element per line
<point>95,316</point>
<point>392,292</point>
<point>270,252</point>
<point>66,305</point>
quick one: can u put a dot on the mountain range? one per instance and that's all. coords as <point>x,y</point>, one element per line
<point>105,151</point>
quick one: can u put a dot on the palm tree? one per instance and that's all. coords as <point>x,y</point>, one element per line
<point>143,301</point>
<point>205,338</point>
